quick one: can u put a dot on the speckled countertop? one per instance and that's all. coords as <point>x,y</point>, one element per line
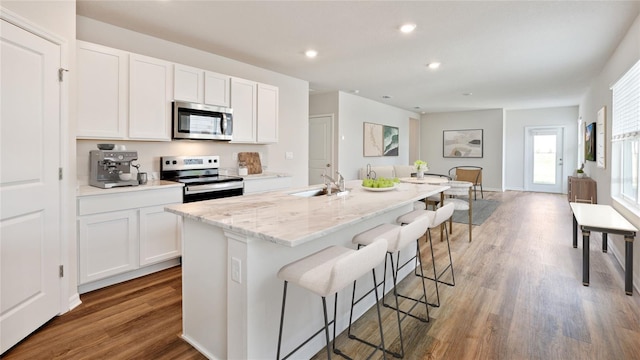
<point>292,220</point>
<point>87,190</point>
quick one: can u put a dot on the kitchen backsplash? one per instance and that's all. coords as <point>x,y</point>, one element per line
<point>149,153</point>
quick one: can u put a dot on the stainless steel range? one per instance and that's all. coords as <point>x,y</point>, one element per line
<point>200,177</point>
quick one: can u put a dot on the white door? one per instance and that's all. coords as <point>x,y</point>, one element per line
<point>29,185</point>
<point>320,148</point>
<point>543,159</point>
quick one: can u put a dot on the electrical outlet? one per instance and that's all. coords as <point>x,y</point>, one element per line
<point>288,155</point>
<point>236,272</point>
<point>234,156</point>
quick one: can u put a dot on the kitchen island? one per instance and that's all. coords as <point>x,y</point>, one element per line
<point>234,247</point>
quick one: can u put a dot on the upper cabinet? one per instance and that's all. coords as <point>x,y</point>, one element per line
<point>255,112</point>
<point>122,96</point>
<point>243,102</point>
<point>126,96</point>
<point>200,86</point>
<point>150,84</point>
<point>267,113</point>
<point>102,92</point>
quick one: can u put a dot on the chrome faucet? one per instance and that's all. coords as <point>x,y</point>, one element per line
<point>329,181</point>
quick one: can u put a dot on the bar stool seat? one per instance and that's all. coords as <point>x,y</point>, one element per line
<point>325,273</point>
<point>397,237</point>
<point>438,218</point>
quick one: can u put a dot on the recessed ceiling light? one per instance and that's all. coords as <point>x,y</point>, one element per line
<point>433,65</point>
<point>386,97</point>
<point>467,94</point>
<point>311,53</point>
<point>407,28</point>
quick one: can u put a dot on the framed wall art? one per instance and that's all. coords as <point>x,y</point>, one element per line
<point>590,142</point>
<point>462,143</point>
<point>600,136</point>
<point>380,140</point>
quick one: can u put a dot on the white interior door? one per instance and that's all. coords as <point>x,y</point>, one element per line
<point>544,159</point>
<point>29,186</point>
<point>320,147</point>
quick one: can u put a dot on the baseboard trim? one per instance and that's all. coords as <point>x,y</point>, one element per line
<point>112,280</point>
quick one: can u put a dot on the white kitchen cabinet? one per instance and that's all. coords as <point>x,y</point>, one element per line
<point>150,95</point>
<point>255,112</point>
<point>103,92</point>
<point>201,86</point>
<point>217,89</point>
<point>159,235</point>
<point>126,234</point>
<point>244,105</point>
<point>258,184</point>
<point>108,244</point>
<point>188,83</point>
<point>267,114</point>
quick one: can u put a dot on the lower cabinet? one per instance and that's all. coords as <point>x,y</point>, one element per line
<point>259,185</point>
<point>125,235</point>
<point>159,235</point>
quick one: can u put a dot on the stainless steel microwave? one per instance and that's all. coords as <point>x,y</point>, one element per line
<point>202,122</point>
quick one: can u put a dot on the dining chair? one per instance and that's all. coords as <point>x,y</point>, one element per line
<point>472,174</point>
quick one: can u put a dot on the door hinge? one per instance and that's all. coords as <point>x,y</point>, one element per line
<point>59,173</point>
<point>61,271</point>
<point>61,74</point>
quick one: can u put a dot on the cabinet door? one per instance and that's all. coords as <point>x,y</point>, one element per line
<point>159,235</point>
<point>108,244</point>
<point>188,83</point>
<point>267,114</point>
<point>102,92</point>
<point>243,103</point>
<point>216,89</point>
<point>150,87</point>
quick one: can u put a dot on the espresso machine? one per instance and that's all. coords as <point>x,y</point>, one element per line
<point>111,168</point>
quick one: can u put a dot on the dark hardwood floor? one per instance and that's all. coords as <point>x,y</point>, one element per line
<point>518,295</point>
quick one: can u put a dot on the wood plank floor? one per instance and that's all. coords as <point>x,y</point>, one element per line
<point>518,295</point>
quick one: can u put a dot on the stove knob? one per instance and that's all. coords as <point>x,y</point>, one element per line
<point>120,157</point>
<point>167,162</point>
<point>174,162</point>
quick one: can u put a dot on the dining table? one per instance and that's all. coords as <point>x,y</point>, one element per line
<point>456,188</point>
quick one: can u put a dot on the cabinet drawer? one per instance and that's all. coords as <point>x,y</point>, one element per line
<point>128,200</point>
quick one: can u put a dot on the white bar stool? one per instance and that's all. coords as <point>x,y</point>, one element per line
<point>438,218</point>
<point>326,272</point>
<point>398,237</point>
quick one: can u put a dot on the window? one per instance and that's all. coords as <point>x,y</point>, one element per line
<point>625,137</point>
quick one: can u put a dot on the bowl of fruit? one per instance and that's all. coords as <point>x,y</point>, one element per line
<point>380,184</point>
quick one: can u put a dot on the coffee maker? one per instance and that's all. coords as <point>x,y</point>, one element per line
<point>111,168</point>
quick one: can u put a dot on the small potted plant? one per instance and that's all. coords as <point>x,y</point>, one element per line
<point>580,172</point>
<point>421,167</point>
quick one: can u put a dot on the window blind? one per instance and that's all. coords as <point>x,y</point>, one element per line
<point>626,105</point>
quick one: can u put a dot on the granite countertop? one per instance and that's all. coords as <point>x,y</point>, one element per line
<point>264,175</point>
<point>87,190</point>
<point>292,220</point>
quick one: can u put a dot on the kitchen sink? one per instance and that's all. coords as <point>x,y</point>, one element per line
<point>319,192</point>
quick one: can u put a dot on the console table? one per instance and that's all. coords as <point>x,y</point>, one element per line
<point>582,189</point>
<point>604,219</point>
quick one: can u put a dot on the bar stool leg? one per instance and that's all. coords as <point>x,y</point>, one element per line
<point>284,299</point>
<point>326,326</point>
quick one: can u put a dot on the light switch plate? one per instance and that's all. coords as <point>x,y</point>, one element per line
<point>288,155</point>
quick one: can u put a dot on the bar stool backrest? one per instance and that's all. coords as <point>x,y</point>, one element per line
<point>410,232</point>
<point>354,265</point>
<point>442,214</point>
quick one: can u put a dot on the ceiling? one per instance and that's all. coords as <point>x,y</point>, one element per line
<point>507,54</point>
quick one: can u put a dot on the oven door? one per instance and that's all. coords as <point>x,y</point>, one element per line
<point>201,122</point>
<point>194,193</point>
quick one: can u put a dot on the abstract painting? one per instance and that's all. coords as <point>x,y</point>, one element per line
<point>390,138</point>
<point>462,143</point>
<point>372,140</point>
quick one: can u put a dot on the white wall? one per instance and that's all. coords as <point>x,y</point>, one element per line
<point>515,123</point>
<point>293,107</point>
<point>491,121</point>
<point>352,112</point>
<point>626,54</point>
<point>58,17</point>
